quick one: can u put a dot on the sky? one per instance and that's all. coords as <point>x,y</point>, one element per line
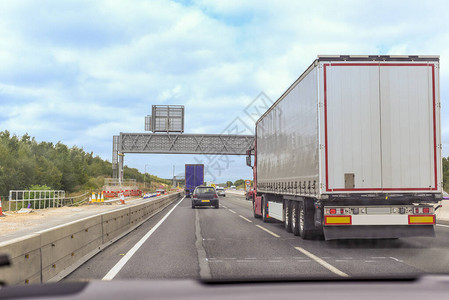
<point>80,72</point>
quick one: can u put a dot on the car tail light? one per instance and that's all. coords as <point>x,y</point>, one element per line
<point>215,196</point>
<point>195,196</point>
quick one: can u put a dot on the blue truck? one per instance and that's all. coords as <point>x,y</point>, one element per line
<point>194,177</point>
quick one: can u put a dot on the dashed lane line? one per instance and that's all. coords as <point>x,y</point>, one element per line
<point>231,211</point>
<point>322,262</point>
<point>246,219</point>
<point>121,263</point>
<point>269,231</point>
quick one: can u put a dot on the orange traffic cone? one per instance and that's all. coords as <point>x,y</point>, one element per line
<point>1,212</point>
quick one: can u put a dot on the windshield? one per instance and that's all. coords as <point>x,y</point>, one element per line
<point>318,131</point>
<point>204,190</point>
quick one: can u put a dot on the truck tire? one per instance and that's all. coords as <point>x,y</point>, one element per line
<point>254,211</point>
<point>305,230</point>
<point>288,215</point>
<point>295,218</point>
<point>264,209</point>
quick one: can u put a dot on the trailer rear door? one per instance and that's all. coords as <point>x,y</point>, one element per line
<point>380,126</point>
<point>353,127</point>
<point>408,127</point>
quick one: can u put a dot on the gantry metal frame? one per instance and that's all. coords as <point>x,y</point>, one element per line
<point>166,143</point>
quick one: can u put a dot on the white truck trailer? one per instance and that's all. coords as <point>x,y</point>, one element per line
<point>353,149</point>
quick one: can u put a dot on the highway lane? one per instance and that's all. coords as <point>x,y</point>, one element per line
<point>229,243</point>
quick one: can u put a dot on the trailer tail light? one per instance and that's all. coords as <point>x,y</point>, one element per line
<point>337,211</point>
<point>421,220</point>
<point>423,210</point>
<point>337,220</point>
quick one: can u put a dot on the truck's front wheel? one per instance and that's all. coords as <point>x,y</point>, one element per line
<point>254,210</point>
<point>264,209</point>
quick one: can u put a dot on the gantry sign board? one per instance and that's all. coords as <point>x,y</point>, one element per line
<point>167,125</point>
<point>164,143</point>
<point>165,118</point>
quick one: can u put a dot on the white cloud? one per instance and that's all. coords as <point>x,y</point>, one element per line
<point>80,72</point>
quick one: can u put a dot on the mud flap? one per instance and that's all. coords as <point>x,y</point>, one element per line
<point>377,231</point>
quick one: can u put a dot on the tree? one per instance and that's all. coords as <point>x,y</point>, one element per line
<point>228,183</point>
<point>239,182</point>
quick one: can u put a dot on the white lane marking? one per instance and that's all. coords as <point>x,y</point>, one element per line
<point>322,262</point>
<point>224,206</point>
<point>394,258</point>
<point>246,219</point>
<point>231,211</point>
<point>118,266</point>
<point>266,230</point>
<point>378,257</point>
<point>441,225</point>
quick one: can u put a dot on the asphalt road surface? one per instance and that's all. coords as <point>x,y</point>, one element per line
<point>228,243</point>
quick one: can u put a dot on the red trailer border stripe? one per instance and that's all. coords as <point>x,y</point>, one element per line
<point>434,125</point>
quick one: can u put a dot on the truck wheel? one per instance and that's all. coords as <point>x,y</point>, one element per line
<point>288,216</point>
<point>295,218</point>
<point>304,219</point>
<point>264,209</point>
<point>254,211</point>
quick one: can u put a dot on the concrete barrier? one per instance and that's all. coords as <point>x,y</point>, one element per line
<point>64,245</point>
<point>25,255</point>
<point>52,254</point>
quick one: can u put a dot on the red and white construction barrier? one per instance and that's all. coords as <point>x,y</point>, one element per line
<point>1,212</point>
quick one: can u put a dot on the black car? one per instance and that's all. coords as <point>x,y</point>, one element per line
<point>205,196</point>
